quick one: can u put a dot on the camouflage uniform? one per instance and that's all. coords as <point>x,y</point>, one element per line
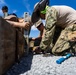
<point>62,44</point>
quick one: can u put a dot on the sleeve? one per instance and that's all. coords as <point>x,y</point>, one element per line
<point>51,19</point>
<point>38,23</point>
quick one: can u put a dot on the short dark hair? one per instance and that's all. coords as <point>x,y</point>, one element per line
<point>13,14</point>
<point>5,8</point>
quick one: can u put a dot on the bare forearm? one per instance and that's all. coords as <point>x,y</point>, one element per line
<point>24,25</point>
<point>41,33</point>
<point>16,24</point>
<point>41,29</point>
<point>21,25</point>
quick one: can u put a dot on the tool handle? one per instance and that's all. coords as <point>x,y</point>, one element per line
<point>59,61</point>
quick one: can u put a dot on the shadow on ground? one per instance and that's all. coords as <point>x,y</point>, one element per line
<point>22,67</point>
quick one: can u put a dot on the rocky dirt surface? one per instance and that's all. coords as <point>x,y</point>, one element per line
<point>39,65</point>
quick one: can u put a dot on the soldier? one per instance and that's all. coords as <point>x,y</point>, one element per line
<point>26,25</point>
<point>4,9</point>
<point>5,12</point>
<point>62,16</point>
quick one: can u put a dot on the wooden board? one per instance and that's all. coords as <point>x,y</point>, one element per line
<point>7,45</point>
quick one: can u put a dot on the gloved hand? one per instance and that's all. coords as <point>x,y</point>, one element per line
<point>38,50</point>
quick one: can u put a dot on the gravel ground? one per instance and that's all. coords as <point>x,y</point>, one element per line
<point>39,65</point>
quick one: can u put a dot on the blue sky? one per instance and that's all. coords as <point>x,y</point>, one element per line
<point>21,6</point>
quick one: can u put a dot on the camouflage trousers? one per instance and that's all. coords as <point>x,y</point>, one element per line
<point>63,44</point>
<point>60,42</point>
